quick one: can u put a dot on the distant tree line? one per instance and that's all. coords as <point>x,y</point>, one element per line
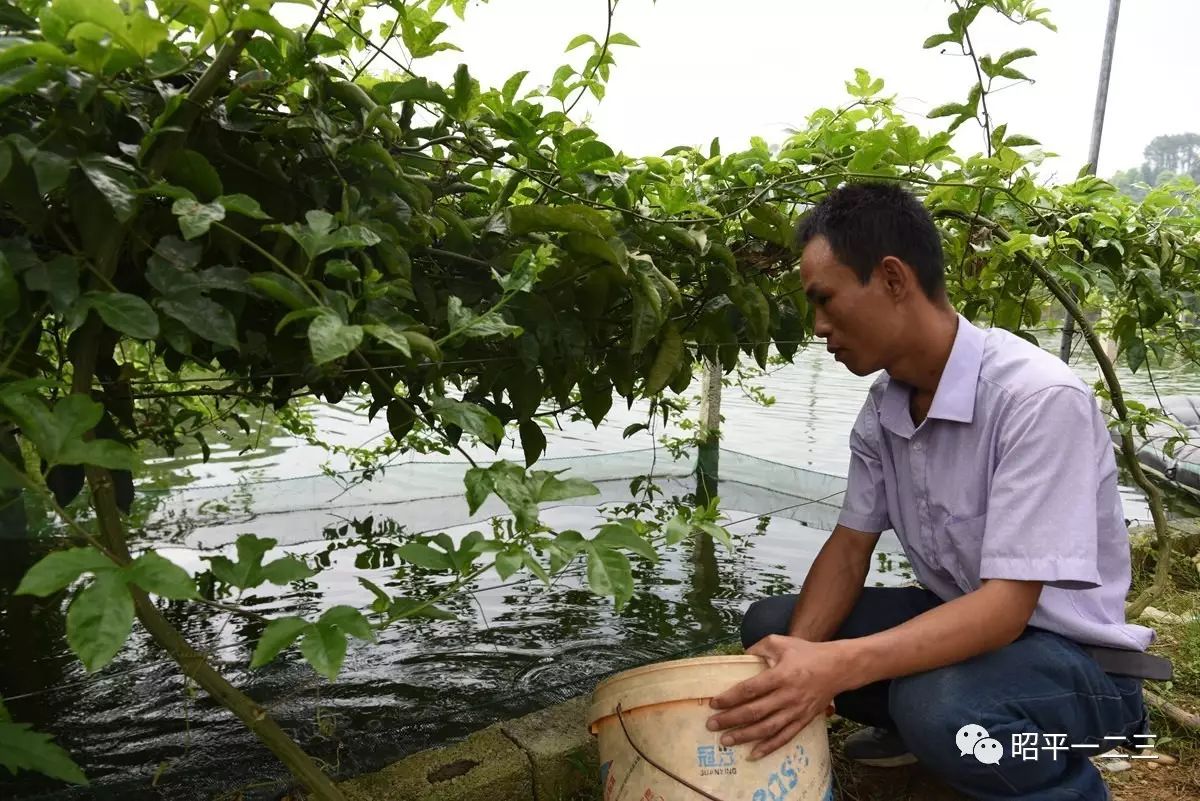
<point>1167,157</point>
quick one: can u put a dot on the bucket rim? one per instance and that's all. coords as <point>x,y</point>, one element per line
<point>676,664</point>
<point>660,667</point>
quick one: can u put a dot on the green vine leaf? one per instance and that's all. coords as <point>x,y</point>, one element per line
<point>424,556</point>
<point>609,573</point>
<point>159,576</point>
<point>58,570</point>
<point>622,534</point>
<point>324,647</point>
<point>195,218</point>
<point>100,619</point>
<point>21,748</point>
<point>115,185</point>
<point>666,362</point>
<point>129,314</point>
<point>331,338</point>
<point>248,571</point>
<point>10,293</point>
<point>279,634</point>
<point>320,234</point>
<point>470,417</point>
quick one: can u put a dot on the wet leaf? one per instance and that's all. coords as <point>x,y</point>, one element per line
<point>390,336</point>
<point>21,748</point>
<point>285,570</point>
<point>204,317</point>
<point>50,169</point>
<point>100,619</point>
<point>678,529</point>
<point>195,218</point>
<point>116,186</point>
<point>159,576</point>
<point>424,556</point>
<point>324,647</point>
<point>10,293</point>
<point>479,486</point>
<point>419,89</point>
<point>585,220</point>
<point>244,205</point>
<point>609,574</point>
<point>533,441</point>
<point>349,620</point>
<point>620,535</point>
<point>331,339</point>
<point>58,570</point>
<point>192,170</point>
<point>470,417</point>
<point>279,634</point>
<point>666,361</point>
<point>126,313</point>
<point>552,488</point>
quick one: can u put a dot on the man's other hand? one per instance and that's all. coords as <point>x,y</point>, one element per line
<point>799,683</point>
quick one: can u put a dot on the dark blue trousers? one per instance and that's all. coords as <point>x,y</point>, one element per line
<point>1027,696</point>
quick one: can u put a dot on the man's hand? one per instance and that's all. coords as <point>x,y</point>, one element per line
<point>799,683</point>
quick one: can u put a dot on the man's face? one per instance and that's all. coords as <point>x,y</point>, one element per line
<point>858,322</point>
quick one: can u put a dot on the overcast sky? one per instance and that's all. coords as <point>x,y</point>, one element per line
<point>710,68</point>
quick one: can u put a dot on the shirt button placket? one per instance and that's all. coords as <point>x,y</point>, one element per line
<point>918,468</point>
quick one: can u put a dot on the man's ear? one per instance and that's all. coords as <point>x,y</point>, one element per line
<point>899,280</point>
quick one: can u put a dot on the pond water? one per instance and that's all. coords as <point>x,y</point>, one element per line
<point>140,732</point>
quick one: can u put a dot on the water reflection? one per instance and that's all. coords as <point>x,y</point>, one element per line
<point>514,647</point>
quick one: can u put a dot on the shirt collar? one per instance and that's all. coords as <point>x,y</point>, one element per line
<point>954,399</point>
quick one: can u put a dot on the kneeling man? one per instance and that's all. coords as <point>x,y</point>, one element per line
<point>991,461</point>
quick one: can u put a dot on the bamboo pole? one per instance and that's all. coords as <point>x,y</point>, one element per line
<point>708,456</point>
<point>1106,60</point>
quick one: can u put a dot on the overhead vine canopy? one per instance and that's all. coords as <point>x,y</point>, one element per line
<point>196,199</point>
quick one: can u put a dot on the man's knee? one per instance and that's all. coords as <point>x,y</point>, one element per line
<point>929,709</point>
<point>766,617</point>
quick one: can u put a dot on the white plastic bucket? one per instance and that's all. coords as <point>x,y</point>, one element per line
<point>665,710</point>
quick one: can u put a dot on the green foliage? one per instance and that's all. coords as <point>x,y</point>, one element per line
<point>21,748</point>
<point>249,571</point>
<point>323,643</point>
<point>100,616</point>
<point>60,569</point>
<point>522,491</point>
<point>59,433</point>
<point>100,620</point>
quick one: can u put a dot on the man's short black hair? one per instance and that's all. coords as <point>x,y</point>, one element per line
<point>865,222</point>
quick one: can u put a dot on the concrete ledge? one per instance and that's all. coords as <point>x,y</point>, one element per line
<point>487,766</point>
<point>563,757</point>
<point>545,756</point>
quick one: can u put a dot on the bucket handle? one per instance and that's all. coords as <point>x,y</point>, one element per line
<point>660,768</point>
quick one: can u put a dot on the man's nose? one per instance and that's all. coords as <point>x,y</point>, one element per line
<point>821,325</point>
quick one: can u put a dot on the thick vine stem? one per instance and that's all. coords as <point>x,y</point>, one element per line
<point>193,664</point>
<point>1162,570</point>
<point>84,357</point>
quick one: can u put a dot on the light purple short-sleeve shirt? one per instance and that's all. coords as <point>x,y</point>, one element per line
<point>1010,476</point>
